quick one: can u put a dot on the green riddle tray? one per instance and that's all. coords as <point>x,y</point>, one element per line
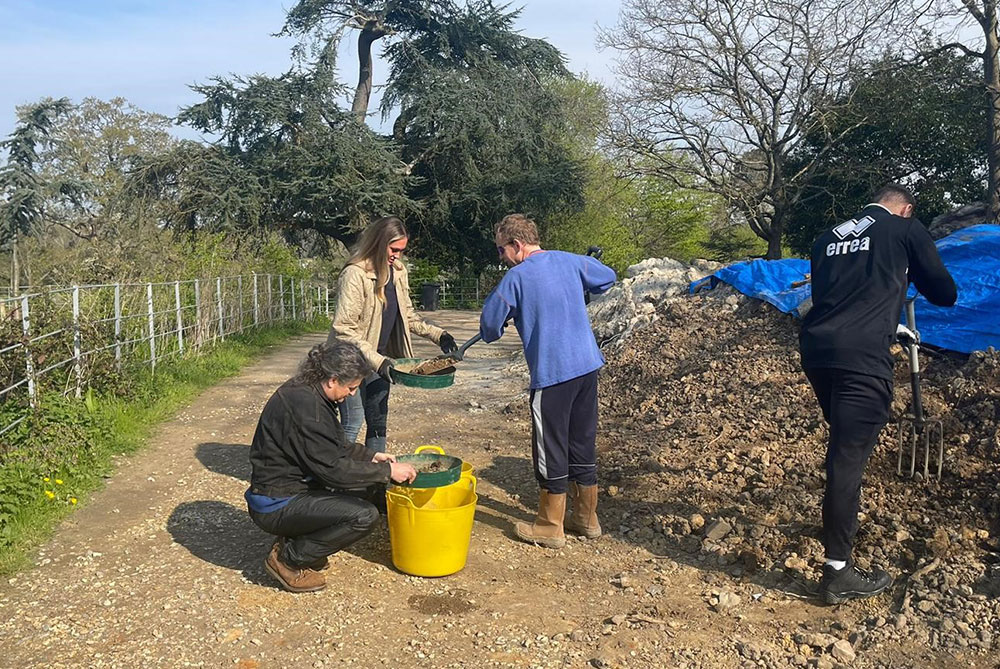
<point>451,470</point>
<point>440,379</point>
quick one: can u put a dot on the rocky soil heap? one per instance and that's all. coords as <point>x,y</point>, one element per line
<point>714,435</point>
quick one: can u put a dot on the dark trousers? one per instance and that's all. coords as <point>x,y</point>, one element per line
<point>856,406</point>
<point>319,523</point>
<point>564,433</point>
<point>374,393</point>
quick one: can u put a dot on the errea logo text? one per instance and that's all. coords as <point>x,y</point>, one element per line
<point>851,228</point>
<point>852,246</point>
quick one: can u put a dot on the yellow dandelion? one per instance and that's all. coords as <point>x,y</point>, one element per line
<point>58,481</point>
<point>72,500</point>
<point>49,494</point>
<point>46,479</point>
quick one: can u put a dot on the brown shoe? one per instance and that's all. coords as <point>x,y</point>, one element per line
<point>293,579</point>
<point>583,518</point>
<point>547,530</point>
<point>321,564</point>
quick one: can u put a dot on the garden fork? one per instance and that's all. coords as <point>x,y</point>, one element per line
<point>917,431</point>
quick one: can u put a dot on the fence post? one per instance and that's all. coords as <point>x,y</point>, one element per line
<point>256,302</point>
<point>29,365</point>
<point>218,302</point>
<point>281,292</point>
<point>239,301</point>
<point>152,326</point>
<point>302,295</point>
<point>180,319</point>
<point>270,300</point>
<point>327,286</point>
<point>477,291</point>
<point>77,362</point>
<point>118,326</point>
<point>291,294</point>
<point>197,314</point>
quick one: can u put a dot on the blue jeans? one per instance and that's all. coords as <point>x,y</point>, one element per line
<point>352,413</point>
<point>375,398</point>
<point>371,402</point>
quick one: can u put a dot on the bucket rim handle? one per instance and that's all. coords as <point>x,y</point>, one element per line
<point>429,447</point>
<point>399,498</point>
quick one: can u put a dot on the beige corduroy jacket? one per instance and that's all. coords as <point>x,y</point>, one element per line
<point>358,318</point>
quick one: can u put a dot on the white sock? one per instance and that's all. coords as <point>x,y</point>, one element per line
<point>837,564</point>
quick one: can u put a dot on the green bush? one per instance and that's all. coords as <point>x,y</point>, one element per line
<point>63,449</point>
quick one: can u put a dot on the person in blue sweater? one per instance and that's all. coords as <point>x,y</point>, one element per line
<point>544,294</point>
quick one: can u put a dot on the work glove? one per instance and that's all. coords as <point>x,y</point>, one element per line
<point>906,336</point>
<point>385,369</point>
<point>448,344</point>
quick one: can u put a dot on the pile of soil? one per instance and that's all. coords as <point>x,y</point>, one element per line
<point>714,435</point>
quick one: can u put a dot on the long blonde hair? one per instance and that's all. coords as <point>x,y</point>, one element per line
<point>373,247</point>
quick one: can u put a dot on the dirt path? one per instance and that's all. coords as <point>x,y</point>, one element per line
<point>164,568</point>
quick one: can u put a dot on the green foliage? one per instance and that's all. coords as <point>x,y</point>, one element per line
<point>23,191</point>
<point>734,242</point>
<point>96,144</point>
<point>25,194</point>
<point>634,219</point>
<point>933,141</point>
<point>479,126</point>
<point>64,449</point>
<point>422,271</point>
<point>289,160</point>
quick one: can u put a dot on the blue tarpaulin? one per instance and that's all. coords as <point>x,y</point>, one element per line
<point>972,255</point>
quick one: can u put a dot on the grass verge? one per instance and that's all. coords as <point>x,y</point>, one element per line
<point>54,460</point>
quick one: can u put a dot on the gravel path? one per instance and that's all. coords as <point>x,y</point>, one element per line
<point>163,568</point>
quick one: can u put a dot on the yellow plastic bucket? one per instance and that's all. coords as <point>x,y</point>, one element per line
<point>430,533</point>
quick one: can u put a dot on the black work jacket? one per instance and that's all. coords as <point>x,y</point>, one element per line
<point>860,272</point>
<point>299,445</point>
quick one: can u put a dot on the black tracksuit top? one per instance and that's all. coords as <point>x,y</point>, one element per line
<point>860,272</point>
<point>299,445</point>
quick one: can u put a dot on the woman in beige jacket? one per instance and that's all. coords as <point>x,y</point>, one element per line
<point>375,313</point>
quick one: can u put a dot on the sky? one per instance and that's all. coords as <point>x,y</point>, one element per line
<point>150,51</point>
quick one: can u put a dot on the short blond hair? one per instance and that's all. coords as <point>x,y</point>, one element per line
<point>517,227</point>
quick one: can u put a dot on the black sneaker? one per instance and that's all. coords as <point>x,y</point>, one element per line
<point>839,585</point>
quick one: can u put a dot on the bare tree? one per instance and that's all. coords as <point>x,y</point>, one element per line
<point>718,94</point>
<point>983,15</point>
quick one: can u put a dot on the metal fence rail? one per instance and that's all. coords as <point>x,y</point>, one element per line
<point>459,292</point>
<point>65,338</point>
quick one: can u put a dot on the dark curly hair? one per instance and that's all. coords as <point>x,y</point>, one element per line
<point>340,360</point>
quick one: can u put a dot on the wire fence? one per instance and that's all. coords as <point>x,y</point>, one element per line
<point>72,338</point>
<point>456,293</point>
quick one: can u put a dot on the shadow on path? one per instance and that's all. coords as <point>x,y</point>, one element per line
<point>223,535</point>
<point>227,459</point>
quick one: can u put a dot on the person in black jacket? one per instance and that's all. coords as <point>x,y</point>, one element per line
<point>860,273</point>
<point>309,486</point>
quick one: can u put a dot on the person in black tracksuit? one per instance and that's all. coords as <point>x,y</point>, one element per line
<point>860,273</point>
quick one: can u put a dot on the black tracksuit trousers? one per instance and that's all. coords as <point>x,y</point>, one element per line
<point>856,406</point>
<point>564,433</point>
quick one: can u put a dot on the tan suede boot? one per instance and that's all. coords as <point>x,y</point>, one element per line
<point>547,530</point>
<point>583,519</point>
<point>293,579</point>
<point>321,564</point>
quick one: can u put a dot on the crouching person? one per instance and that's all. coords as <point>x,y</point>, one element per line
<point>316,492</point>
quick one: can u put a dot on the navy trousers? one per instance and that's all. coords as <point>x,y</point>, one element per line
<point>564,433</point>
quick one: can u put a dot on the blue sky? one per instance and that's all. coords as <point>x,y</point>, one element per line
<point>150,52</point>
